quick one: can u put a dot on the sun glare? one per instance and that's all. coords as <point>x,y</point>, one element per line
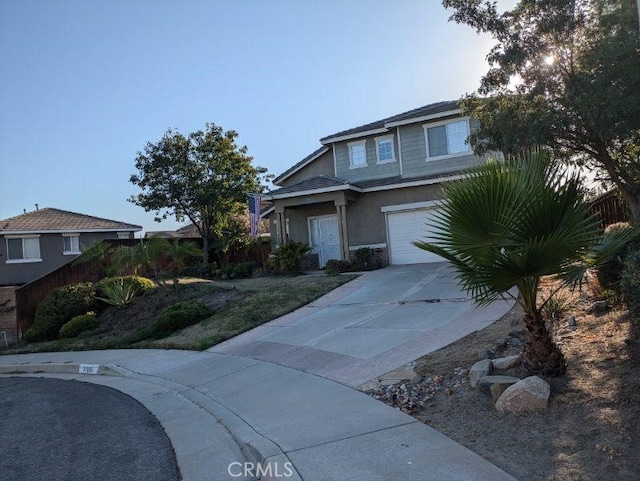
<point>549,60</point>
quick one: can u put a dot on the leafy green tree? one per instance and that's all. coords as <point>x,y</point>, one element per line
<point>510,223</point>
<point>203,177</point>
<point>565,74</point>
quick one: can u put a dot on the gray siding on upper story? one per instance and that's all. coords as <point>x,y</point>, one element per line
<point>51,253</point>
<point>415,161</point>
<point>373,169</point>
<point>411,156</point>
<point>323,165</point>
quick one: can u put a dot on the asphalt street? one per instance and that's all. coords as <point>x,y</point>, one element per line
<point>52,429</point>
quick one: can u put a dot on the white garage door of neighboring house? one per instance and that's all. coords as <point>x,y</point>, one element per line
<point>405,227</point>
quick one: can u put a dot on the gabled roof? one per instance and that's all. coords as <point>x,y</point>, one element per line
<point>55,220</point>
<point>296,167</point>
<point>431,110</point>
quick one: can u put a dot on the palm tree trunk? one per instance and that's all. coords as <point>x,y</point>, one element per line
<point>540,354</point>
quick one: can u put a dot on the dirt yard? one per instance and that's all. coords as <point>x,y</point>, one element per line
<point>591,429</point>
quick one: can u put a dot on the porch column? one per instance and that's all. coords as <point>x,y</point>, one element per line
<point>282,225</point>
<point>341,210</point>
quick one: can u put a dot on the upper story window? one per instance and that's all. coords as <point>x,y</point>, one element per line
<point>447,139</point>
<point>357,154</point>
<point>385,150</point>
<point>23,249</point>
<point>71,244</point>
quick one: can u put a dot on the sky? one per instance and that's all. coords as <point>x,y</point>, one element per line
<point>84,85</point>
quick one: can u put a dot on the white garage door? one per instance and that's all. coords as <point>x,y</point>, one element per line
<point>405,227</point>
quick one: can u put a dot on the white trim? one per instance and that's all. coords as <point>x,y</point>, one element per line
<point>63,231</point>
<point>429,204</point>
<point>399,150</point>
<point>424,118</point>
<point>382,245</point>
<point>28,236</point>
<point>356,135</point>
<point>300,167</point>
<point>426,127</point>
<point>22,261</point>
<point>393,149</point>
<point>336,188</point>
<point>363,143</point>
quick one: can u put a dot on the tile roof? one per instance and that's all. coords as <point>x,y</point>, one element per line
<point>49,219</point>
<point>430,109</point>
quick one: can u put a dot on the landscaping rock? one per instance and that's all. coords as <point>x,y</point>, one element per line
<point>530,394</point>
<point>496,385</point>
<point>572,322</point>
<point>501,344</point>
<point>519,334</point>
<point>514,341</point>
<point>508,362</point>
<point>485,354</point>
<point>479,370</point>
<point>514,321</point>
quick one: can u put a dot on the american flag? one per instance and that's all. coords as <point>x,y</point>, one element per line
<point>254,214</point>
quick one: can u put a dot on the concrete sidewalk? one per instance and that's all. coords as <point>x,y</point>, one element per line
<point>222,411</point>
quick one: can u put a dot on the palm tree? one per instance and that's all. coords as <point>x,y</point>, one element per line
<point>508,224</point>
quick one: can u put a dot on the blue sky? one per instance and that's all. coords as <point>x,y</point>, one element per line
<point>85,85</point>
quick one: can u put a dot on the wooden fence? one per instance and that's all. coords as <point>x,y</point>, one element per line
<point>609,209</point>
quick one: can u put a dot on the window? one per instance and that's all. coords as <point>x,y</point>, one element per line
<point>385,150</point>
<point>123,235</point>
<point>447,139</point>
<point>71,244</point>
<point>357,154</point>
<point>23,249</point>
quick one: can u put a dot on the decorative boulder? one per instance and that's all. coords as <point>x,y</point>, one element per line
<point>530,394</point>
<point>479,370</point>
<point>496,385</point>
<point>508,362</point>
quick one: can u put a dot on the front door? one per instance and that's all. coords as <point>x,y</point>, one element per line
<point>325,238</point>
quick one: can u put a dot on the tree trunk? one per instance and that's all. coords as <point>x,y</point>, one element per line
<point>540,354</point>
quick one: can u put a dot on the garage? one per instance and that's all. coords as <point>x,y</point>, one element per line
<point>405,227</point>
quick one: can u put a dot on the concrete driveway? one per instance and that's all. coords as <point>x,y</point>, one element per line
<point>370,326</point>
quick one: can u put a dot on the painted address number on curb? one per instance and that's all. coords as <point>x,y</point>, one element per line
<point>89,368</point>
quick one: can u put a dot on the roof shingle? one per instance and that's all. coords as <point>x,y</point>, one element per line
<point>50,219</point>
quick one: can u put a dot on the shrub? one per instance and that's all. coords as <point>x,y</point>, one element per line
<point>364,260</point>
<point>241,270</point>
<point>118,293</point>
<point>287,258</point>
<point>335,266</point>
<point>630,285</point>
<point>79,324</point>
<point>58,308</point>
<point>179,316</point>
<point>609,273</point>
<point>138,284</point>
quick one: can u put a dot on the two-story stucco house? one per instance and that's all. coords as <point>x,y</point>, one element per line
<point>374,186</point>
<point>36,243</point>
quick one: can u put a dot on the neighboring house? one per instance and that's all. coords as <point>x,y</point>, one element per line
<point>374,186</point>
<point>36,243</point>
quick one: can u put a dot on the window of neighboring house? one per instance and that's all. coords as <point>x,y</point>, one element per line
<point>447,139</point>
<point>385,150</point>
<point>123,235</point>
<point>23,249</point>
<point>357,154</point>
<point>71,244</point>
